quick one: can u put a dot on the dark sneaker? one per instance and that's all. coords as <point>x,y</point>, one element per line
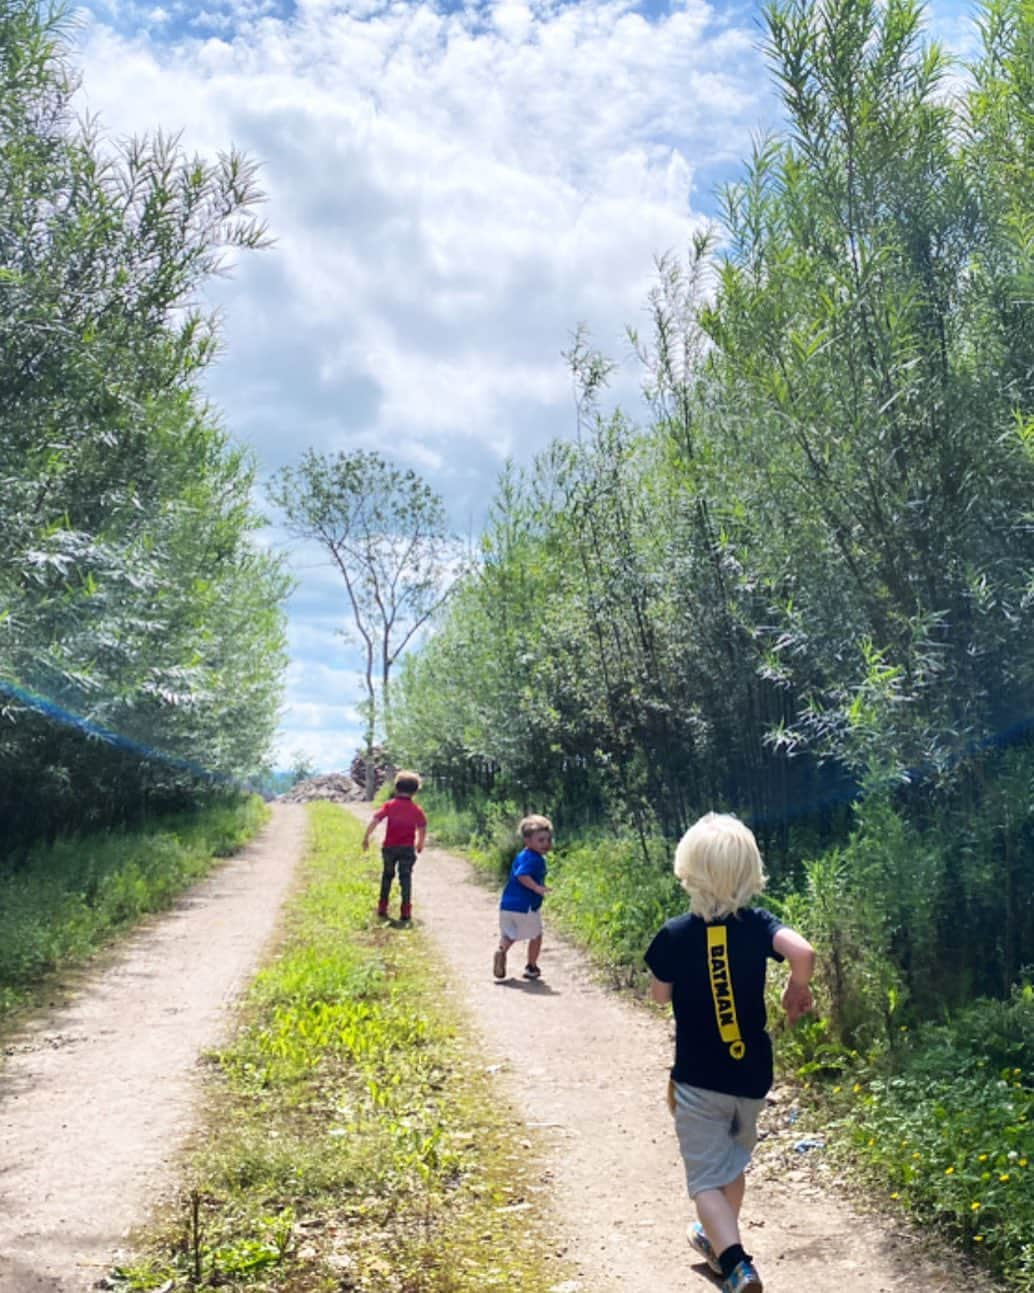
<point>499,964</point>
<point>532,972</point>
<point>702,1246</point>
<point>743,1278</point>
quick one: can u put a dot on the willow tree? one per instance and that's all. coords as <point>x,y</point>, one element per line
<point>141,630</point>
<point>384,530</point>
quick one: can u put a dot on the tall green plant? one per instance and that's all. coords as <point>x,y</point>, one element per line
<point>133,601</point>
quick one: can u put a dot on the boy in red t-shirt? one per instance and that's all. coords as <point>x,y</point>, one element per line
<point>403,839</point>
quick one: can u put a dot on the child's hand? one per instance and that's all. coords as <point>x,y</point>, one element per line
<point>797,1000</point>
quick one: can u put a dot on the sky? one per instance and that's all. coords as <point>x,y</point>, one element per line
<point>453,190</point>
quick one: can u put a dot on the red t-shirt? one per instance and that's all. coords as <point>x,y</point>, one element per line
<point>404,816</point>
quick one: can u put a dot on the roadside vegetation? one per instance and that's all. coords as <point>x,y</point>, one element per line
<point>60,902</point>
<point>141,623</point>
<point>935,1117</point>
<point>353,1138</point>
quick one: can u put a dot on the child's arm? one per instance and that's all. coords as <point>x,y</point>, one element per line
<point>370,828</point>
<point>421,835</point>
<point>797,998</point>
<point>531,883</point>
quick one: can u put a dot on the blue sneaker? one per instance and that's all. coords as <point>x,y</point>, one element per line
<point>702,1246</point>
<point>744,1277</point>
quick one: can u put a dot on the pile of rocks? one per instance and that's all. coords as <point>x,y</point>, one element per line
<point>338,787</point>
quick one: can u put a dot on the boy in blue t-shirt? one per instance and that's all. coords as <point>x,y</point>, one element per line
<point>519,917</point>
<point>710,964</point>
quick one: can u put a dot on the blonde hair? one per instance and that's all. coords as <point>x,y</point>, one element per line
<point>530,825</point>
<point>719,866</point>
<point>406,782</point>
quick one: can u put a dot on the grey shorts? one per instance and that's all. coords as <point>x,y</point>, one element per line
<point>520,925</point>
<point>716,1135</point>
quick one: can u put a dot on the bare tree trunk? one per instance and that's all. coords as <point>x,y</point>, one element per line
<point>371,725</point>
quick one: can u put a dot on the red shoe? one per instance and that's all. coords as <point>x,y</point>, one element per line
<point>382,909</point>
<point>407,911</point>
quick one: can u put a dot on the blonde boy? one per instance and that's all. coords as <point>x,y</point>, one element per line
<point>519,905</point>
<point>710,964</point>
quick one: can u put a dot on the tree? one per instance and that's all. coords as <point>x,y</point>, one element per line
<point>301,768</point>
<point>141,631</point>
<point>808,579</point>
<point>385,531</point>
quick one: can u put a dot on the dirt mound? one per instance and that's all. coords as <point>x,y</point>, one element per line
<point>338,787</point>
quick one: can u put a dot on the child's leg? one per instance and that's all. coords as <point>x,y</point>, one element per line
<point>387,875</point>
<point>716,1135</point>
<point>499,957</point>
<point>406,865</point>
<point>719,1213</point>
<point>534,948</point>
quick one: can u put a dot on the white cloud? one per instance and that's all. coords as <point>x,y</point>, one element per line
<point>330,751</point>
<point>452,192</point>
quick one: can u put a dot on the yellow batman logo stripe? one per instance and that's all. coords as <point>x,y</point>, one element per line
<point>721,990</point>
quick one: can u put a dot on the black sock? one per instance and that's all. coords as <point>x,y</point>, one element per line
<point>731,1258</point>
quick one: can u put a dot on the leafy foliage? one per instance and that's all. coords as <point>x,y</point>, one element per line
<point>67,898</point>
<point>949,1133</point>
<point>801,591</point>
<point>132,599</point>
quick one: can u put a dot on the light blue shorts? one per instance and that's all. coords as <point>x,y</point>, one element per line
<point>716,1134</point>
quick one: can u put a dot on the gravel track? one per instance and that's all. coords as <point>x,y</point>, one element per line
<point>97,1094</point>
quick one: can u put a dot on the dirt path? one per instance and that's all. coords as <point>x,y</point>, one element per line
<point>96,1096</point>
<point>589,1069</point>
<point>96,1100</point>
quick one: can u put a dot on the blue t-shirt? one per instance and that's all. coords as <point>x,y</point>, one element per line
<point>717,973</point>
<point>516,896</point>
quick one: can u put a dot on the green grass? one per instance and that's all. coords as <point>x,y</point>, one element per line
<point>354,1139</point>
<point>65,900</point>
<point>947,1131</point>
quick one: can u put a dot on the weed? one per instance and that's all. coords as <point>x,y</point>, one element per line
<point>66,899</point>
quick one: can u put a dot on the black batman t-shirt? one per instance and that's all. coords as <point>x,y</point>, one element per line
<point>717,973</point>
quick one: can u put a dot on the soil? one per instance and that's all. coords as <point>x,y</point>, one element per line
<point>97,1098</point>
<point>97,1094</point>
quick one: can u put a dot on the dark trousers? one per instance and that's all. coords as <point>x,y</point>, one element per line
<point>403,856</point>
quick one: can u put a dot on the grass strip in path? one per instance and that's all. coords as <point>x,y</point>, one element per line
<point>353,1140</point>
